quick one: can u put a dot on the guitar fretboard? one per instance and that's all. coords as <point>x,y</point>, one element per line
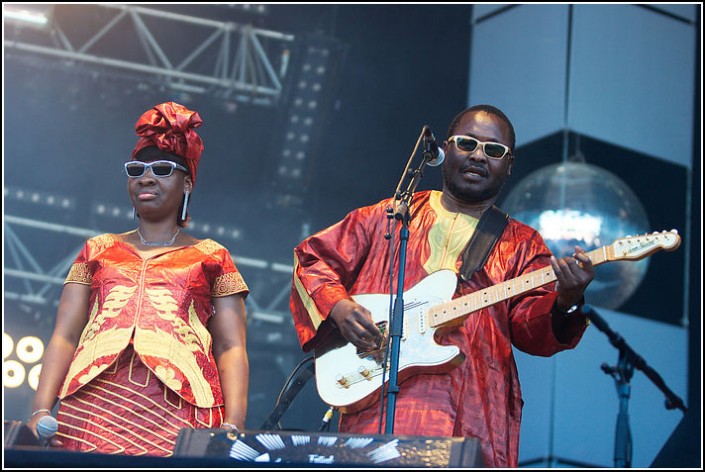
<point>467,304</point>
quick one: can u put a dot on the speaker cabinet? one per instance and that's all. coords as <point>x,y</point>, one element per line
<point>330,449</point>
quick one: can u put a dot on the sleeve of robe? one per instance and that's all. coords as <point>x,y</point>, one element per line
<point>325,266</point>
<point>536,327</point>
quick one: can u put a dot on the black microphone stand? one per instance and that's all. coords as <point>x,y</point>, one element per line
<point>401,213</point>
<point>622,374</point>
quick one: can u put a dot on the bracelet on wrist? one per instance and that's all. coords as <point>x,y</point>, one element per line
<point>230,426</point>
<point>570,310</point>
<point>41,410</point>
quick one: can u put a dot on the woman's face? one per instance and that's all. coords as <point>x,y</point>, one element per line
<point>154,195</point>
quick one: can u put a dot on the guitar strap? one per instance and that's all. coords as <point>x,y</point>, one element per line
<point>487,232</point>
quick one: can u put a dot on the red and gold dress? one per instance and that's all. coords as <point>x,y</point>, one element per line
<point>143,368</point>
<point>481,398</point>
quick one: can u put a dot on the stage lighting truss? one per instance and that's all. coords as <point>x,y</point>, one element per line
<point>185,53</point>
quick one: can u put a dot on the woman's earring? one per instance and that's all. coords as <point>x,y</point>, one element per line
<point>134,213</point>
<point>183,211</point>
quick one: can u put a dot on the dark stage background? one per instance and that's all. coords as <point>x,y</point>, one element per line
<point>266,180</point>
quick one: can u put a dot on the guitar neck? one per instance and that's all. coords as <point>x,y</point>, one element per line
<point>460,308</point>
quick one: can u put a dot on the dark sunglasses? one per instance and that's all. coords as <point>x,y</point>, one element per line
<point>469,144</point>
<point>159,168</point>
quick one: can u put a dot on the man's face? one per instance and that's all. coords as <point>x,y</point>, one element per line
<point>472,176</point>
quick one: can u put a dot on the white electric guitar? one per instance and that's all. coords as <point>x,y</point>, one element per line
<point>348,379</point>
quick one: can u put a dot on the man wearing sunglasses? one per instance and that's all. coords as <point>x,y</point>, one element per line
<point>478,394</point>
<point>151,325</point>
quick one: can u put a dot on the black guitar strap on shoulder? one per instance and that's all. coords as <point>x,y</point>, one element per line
<point>487,232</point>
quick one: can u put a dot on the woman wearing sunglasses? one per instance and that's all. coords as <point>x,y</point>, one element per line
<point>151,325</point>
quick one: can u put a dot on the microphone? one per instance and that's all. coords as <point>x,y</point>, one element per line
<point>47,426</point>
<point>436,153</point>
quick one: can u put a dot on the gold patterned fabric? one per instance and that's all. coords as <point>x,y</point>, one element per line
<point>162,305</point>
<point>128,410</point>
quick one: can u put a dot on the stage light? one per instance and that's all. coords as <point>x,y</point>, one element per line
<point>33,15</point>
<point>7,345</point>
<point>13,374</point>
<point>30,349</point>
<point>33,376</point>
<point>258,8</point>
<point>38,197</point>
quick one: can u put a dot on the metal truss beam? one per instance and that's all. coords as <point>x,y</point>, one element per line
<point>37,282</point>
<point>239,66</point>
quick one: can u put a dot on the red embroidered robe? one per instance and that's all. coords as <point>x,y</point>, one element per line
<point>482,397</point>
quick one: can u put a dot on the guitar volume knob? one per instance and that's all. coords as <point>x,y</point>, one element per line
<point>342,380</point>
<point>364,371</point>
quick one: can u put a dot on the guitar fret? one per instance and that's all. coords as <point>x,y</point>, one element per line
<point>475,301</point>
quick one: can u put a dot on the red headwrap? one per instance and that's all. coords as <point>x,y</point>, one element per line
<point>170,127</point>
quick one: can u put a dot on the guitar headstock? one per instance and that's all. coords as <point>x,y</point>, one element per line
<point>638,247</point>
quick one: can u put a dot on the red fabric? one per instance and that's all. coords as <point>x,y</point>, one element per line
<point>171,127</point>
<point>127,410</point>
<point>162,304</point>
<point>482,397</point>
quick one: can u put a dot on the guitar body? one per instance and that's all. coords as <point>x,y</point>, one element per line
<point>348,380</point>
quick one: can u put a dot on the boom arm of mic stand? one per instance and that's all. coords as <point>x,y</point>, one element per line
<point>672,400</point>
<point>401,209</point>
